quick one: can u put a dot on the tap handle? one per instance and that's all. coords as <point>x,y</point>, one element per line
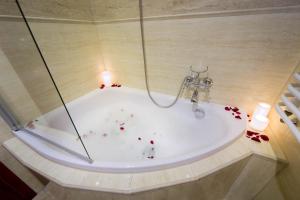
<point>208,82</point>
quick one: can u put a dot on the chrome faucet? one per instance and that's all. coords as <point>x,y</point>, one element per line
<point>198,84</point>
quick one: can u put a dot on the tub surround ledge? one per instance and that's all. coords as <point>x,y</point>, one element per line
<point>128,183</point>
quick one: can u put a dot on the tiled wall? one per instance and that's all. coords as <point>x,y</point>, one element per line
<point>128,9</point>
<point>250,55</point>
<point>71,50</point>
<point>10,85</point>
<point>73,54</point>
<point>58,9</point>
<point>69,42</point>
<point>49,9</point>
<point>240,180</point>
<point>288,180</point>
<point>23,60</point>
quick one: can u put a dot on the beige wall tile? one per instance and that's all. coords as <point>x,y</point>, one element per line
<point>289,179</point>
<point>173,7</point>
<point>214,186</point>
<point>23,56</point>
<point>20,102</point>
<point>14,94</point>
<point>249,57</point>
<point>125,9</point>
<point>5,131</point>
<point>9,7</point>
<point>218,185</point>
<point>73,54</point>
<point>59,9</point>
<point>271,191</point>
<point>115,9</point>
<point>122,53</point>
<point>239,48</point>
<point>256,174</point>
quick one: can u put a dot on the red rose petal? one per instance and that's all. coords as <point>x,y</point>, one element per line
<point>264,137</point>
<point>238,117</point>
<point>102,86</point>
<point>122,128</point>
<point>238,113</point>
<point>235,109</point>
<point>249,133</point>
<point>227,108</point>
<point>119,85</point>
<point>255,139</point>
<point>252,133</point>
<point>151,142</point>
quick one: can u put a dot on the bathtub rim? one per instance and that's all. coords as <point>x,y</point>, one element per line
<point>143,165</point>
<point>233,134</point>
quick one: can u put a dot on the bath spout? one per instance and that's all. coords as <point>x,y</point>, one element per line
<point>195,95</point>
<point>198,84</point>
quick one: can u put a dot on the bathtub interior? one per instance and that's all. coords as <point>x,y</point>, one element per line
<point>121,127</point>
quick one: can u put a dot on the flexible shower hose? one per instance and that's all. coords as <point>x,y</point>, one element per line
<point>145,65</point>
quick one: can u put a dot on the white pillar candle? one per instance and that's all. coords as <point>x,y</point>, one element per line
<point>259,122</point>
<point>106,78</point>
<point>262,109</point>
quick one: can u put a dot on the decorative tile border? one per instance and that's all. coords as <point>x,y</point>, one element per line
<point>257,11</point>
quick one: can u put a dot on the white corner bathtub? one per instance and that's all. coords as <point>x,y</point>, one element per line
<point>123,131</point>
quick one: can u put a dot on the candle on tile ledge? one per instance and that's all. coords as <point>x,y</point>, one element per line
<point>260,119</point>
<point>262,109</point>
<point>106,77</point>
<point>259,122</point>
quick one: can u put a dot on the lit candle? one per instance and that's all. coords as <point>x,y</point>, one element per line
<point>106,78</point>
<point>262,109</point>
<point>259,122</point>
